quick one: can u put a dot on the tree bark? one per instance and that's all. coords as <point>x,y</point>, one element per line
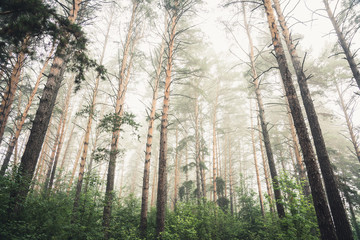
<point>326,225</point>
<point>116,132</point>
<point>197,150</point>
<point>162,174</point>
<point>265,132</point>
<point>146,176</point>
<point>214,143</point>
<point>21,121</point>
<point>342,224</point>
<point>9,95</point>
<point>255,163</point>
<point>40,124</point>
<point>350,57</point>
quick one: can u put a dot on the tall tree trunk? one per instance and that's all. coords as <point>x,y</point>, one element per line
<point>352,213</point>
<point>265,166</point>
<point>21,121</point>
<point>85,143</point>
<point>268,148</point>
<point>214,142</point>
<point>348,122</point>
<point>9,94</point>
<point>162,177</point>
<point>61,139</point>
<point>77,158</point>
<point>153,190</point>
<point>299,164</point>
<point>326,225</point>
<point>342,224</point>
<point>41,122</point>
<point>197,150</point>
<point>116,132</point>
<point>176,168</point>
<point>350,57</point>
<point>255,163</point>
<point>202,166</point>
<point>231,181</point>
<point>53,152</point>
<point>146,176</point>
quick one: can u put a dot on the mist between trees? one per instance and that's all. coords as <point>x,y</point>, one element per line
<point>179,119</point>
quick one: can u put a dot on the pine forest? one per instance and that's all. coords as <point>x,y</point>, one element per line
<point>179,119</point>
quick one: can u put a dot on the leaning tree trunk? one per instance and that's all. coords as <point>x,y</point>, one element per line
<point>145,188</point>
<point>265,132</point>
<point>61,139</point>
<point>326,225</point>
<point>255,163</point>
<point>162,173</point>
<point>116,132</point>
<point>41,122</point>
<point>350,57</point>
<point>9,95</point>
<point>21,121</point>
<point>342,224</point>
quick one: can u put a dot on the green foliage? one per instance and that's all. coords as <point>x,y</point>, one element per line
<point>49,217</point>
<point>112,122</point>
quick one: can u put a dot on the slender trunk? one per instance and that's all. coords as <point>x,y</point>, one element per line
<point>20,123</point>
<point>197,150</point>
<point>57,183</point>
<point>77,158</point>
<point>53,153</point>
<point>266,137</point>
<point>255,163</point>
<point>225,160</point>
<point>352,213</point>
<point>9,95</point>
<point>162,179</point>
<point>265,166</point>
<point>116,132</point>
<point>350,57</point>
<point>202,166</point>
<point>348,123</point>
<point>85,144</point>
<point>146,176</point>
<point>326,225</point>
<point>214,142</point>
<point>231,181</point>
<point>153,190</point>
<point>176,168</point>
<point>40,123</point>
<point>62,134</point>
<point>342,224</point>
